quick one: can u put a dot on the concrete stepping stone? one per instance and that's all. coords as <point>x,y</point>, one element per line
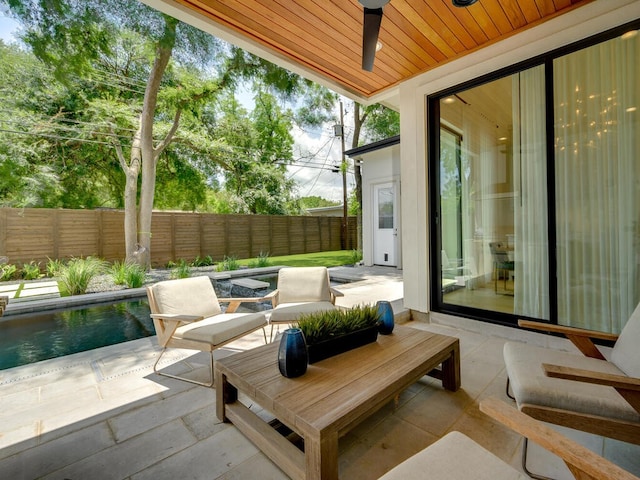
<point>250,283</point>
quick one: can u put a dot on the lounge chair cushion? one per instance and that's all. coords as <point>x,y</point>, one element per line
<point>188,296</point>
<point>303,284</point>
<point>454,457</point>
<point>221,328</point>
<point>290,312</point>
<point>626,352</point>
<point>531,386</point>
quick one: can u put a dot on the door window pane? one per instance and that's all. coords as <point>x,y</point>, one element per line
<point>385,208</point>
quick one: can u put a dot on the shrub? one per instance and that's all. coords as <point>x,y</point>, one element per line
<point>78,272</point>
<point>119,273</point>
<point>262,260</point>
<point>31,271</point>
<point>229,263</point>
<point>7,272</point>
<point>203,262</point>
<point>135,275</point>
<point>54,267</point>
<point>355,257</point>
<point>181,270</point>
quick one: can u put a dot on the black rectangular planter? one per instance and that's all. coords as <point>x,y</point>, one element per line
<point>341,344</point>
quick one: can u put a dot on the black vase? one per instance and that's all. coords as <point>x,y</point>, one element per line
<point>385,327</point>
<point>292,353</point>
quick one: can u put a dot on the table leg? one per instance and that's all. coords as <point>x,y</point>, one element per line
<point>225,393</point>
<point>451,369</point>
<point>321,457</point>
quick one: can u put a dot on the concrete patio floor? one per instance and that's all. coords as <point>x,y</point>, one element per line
<point>103,414</point>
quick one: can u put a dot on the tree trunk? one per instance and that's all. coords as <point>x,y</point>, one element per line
<point>131,200</point>
<point>149,156</point>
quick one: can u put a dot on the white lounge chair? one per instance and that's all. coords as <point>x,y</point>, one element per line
<point>187,314</point>
<point>301,290</point>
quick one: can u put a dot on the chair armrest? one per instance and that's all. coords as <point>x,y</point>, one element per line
<point>234,303</point>
<point>177,317</point>
<point>580,337</point>
<point>336,292</point>
<point>272,297</point>
<point>589,376</point>
<point>581,332</point>
<point>574,455</point>
<point>627,387</point>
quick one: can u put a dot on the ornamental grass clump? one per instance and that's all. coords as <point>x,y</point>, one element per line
<point>78,272</point>
<point>130,274</point>
<point>321,326</point>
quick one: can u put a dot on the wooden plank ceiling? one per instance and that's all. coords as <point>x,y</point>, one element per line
<point>325,36</point>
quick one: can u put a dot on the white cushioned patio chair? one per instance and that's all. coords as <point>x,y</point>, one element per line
<point>301,290</point>
<point>587,391</point>
<point>456,457</point>
<point>186,313</point>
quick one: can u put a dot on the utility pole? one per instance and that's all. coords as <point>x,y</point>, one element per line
<point>343,167</point>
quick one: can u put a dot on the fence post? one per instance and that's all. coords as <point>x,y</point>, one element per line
<point>55,234</point>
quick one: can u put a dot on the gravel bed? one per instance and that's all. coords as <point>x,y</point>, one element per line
<point>104,283</point>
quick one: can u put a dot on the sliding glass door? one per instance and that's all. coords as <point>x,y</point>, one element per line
<point>492,180</point>
<point>537,174</point>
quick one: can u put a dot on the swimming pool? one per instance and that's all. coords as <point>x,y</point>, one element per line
<point>30,338</point>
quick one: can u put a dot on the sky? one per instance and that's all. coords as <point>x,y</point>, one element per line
<point>321,143</point>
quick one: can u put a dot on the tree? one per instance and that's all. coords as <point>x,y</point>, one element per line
<point>73,35</point>
<point>24,180</point>
<point>261,147</point>
<point>314,201</point>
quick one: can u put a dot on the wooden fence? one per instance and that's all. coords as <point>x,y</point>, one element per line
<point>37,234</point>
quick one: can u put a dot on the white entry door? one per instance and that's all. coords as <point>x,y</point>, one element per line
<point>385,225</point>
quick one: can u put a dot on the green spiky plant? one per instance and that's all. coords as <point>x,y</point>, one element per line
<point>78,272</point>
<point>181,270</point>
<point>135,275</point>
<point>320,326</point>
<point>262,260</point>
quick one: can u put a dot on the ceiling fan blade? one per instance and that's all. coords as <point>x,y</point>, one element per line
<point>370,31</point>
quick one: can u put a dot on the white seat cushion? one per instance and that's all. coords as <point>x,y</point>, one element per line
<point>290,312</point>
<point>625,353</point>
<point>454,457</point>
<point>221,328</point>
<point>531,386</point>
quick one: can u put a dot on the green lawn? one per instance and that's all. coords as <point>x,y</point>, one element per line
<point>318,259</point>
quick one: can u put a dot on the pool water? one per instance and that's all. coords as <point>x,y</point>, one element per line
<point>34,337</point>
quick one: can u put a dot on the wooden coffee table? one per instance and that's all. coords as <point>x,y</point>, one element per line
<point>332,397</point>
